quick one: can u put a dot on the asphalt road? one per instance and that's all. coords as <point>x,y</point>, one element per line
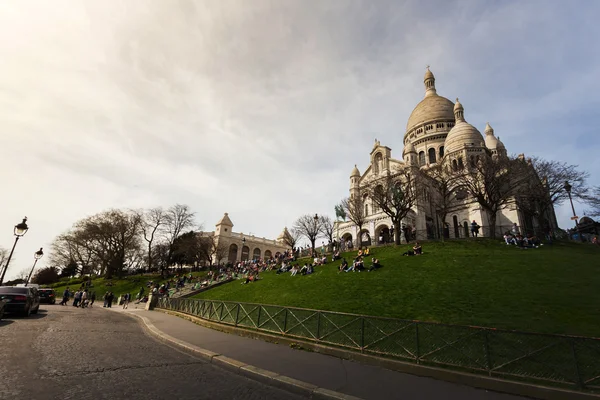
<point>69,353</point>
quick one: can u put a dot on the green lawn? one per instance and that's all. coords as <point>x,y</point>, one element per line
<point>553,289</point>
<point>130,284</point>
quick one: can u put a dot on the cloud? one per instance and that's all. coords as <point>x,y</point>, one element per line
<point>262,111</point>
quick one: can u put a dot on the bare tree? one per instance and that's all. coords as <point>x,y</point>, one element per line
<point>221,251</point>
<point>354,207</point>
<point>593,200</point>
<point>291,238</point>
<point>309,226</point>
<point>494,184</point>
<point>3,258</point>
<point>178,218</point>
<point>153,221</point>
<point>545,188</point>
<point>443,185</point>
<point>396,194</point>
<point>327,228</point>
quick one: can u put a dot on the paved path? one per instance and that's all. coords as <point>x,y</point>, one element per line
<point>364,381</point>
<point>69,353</point>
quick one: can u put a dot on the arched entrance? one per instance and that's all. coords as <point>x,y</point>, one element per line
<point>233,249</point>
<point>268,254</point>
<point>347,241</point>
<point>245,253</point>
<point>365,238</point>
<point>383,234</point>
<point>256,254</point>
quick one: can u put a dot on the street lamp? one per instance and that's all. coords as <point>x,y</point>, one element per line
<point>568,188</point>
<point>36,256</point>
<point>20,230</point>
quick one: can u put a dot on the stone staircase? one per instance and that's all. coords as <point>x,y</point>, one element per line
<point>188,290</point>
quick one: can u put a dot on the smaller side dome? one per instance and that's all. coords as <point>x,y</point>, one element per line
<point>409,148</point>
<point>491,142</point>
<point>462,134</point>
<point>355,172</point>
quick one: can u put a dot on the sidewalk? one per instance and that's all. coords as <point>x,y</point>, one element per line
<point>349,377</point>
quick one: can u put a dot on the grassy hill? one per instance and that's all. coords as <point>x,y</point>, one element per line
<point>129,284</point>
<point>553,289</point>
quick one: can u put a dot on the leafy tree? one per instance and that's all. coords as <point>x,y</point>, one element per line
<point>178,218</point>
<point>593,200</point>
<point>46,276</point>
<point>70,270</point>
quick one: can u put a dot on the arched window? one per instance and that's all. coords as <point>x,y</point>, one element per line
<point>422,158</point>
<point>460,163</point>
<point>366,210</point>
<point>431,156</point>
<point>441,152</point>
<point>472,160</point>
<point>454,165</point>
<point>378,164</point>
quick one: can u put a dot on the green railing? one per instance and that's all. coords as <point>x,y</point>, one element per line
<point>560,360</point>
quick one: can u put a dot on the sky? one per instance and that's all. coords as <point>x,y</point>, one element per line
<point>261,109</point>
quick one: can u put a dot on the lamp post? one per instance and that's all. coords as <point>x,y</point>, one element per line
<point>20,230</point>
<point>568,188</point>
<point>36,256</point>
<point>244,245</point>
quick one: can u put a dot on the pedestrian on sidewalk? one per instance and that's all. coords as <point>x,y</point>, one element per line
<point>126,298</point>
<point>65,299</point>
<point>77,298</point>
<point>92,299</point>
<point>109,299</point>
<point>84,298</point>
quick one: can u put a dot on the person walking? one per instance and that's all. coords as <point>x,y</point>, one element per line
<point>92,298</point>
<point>474,229</point>
<point>65,299</point>
<point>77,298</point>
<point>83,298</point>
<point>126,298</point>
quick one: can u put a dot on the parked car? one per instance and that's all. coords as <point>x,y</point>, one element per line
<point>2,303</point>
<point>47,296</point>
<point>22,300</point>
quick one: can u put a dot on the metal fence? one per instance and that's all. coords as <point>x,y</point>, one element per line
<point>558,359</point>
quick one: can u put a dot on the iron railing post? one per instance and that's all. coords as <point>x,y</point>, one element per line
<point>362,334</point>
<point>221,313</point>
<point>578,381</point>
<point>319,325</point>
<point>237,314</point>
<point>488,360</point>
<point>418,350</point>
<point>285,320</point>
<point>258,317</point>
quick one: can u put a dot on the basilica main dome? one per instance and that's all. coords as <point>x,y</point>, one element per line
<point>432,107</point>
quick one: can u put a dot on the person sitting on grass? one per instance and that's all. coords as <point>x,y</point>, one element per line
<point>375,264</point>
<point>417,249</point>
<point>336,256</point>
<point>360,253</point>
<point>343,265</point>
<point>367,251</point>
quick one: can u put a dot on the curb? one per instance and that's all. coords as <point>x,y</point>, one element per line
<point>528,390</point>
<point>247,370</point>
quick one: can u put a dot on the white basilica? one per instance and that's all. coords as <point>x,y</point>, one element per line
<point>436,132</point>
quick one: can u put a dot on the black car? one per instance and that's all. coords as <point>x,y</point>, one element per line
<point>22,300</point>
<point>47,296</point>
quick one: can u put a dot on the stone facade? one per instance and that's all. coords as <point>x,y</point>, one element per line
<point>242,247</point>
<point>436,132</point>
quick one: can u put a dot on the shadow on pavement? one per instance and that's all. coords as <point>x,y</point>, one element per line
<point>5,322</point>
